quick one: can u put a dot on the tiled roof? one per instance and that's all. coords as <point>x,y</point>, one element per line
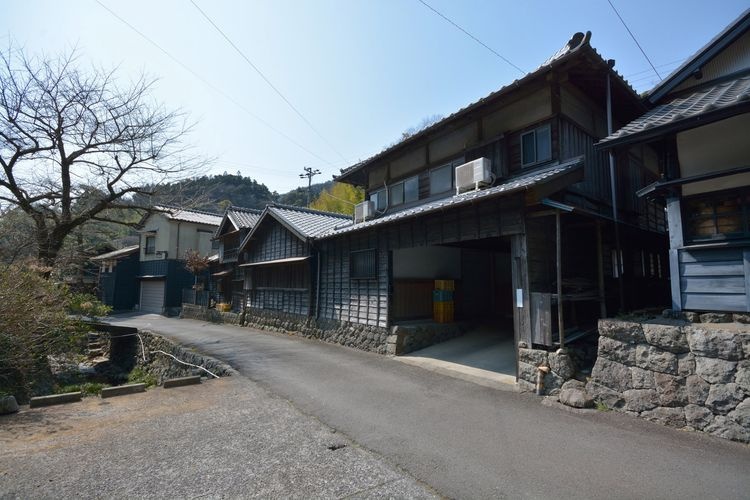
<point>512,185</point>
<point>307,222</point>
<point>183,214</point>
<point>117,253</point>
<point>243,218</point>
<point>721,96</point>
<point>577,42</point>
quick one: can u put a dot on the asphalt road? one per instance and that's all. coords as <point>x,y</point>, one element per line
<point>226,438</point>
<point>466,440</point>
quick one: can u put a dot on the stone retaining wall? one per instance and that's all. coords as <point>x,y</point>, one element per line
<point>365,337</point>
<point>191,311</point>
<point>163,367</point>
<point>677,373</point>
<point>561,369</point>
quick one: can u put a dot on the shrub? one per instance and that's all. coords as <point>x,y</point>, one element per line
<point>34,324</point>
<point>140,376</point>
<point>86,304</point>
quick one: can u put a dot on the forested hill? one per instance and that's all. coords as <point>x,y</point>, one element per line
<point>215,192</point>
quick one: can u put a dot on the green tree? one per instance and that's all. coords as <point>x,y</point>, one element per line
<point>340,198</point>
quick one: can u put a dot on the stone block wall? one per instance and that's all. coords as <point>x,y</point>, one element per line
<point>365,337</point>
<point>677,373</point>
<point>163,367</point>
<point>406,339</point>
<point>561,369</point>
<point>191,311</point>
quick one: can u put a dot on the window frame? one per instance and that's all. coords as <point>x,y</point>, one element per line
<point>152,249</point>
<point>356,272</point>
<point>547,128</point>
<point>712,200</point>
<point>394,201</point>
<point>451,166</point>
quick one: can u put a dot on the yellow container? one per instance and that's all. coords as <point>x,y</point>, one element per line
<point>443,312</point>
<point>223,307</point>
<point>445,285</point>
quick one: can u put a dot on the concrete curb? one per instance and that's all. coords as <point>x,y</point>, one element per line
<point>181,381</point>
<point>122,390</point>
<point>55,399</point>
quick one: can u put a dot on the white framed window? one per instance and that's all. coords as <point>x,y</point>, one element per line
<point>536,146</point>
<point>397,194</point>
<point>150,245</point>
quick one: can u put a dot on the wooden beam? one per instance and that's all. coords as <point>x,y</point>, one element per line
<point>560,322</point>
<point>600,269</point>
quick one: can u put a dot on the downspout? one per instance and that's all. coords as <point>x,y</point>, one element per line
<point>613,187</point>
<point>177,253</point>
<point>317,287</point>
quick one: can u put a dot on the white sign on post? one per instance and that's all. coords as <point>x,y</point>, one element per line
<point>519,297</point>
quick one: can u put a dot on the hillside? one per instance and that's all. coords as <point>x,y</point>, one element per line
<point>215,192</point>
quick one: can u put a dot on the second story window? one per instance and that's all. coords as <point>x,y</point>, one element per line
<point>150,245</point>
<point>441,179</point>
<point>378,198</point>
<point>405,191</point>
<point>536,146</point>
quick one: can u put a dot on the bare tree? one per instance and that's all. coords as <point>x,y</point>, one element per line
<point>75,146</point>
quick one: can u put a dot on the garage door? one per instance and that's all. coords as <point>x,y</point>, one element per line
<point>152,296</point>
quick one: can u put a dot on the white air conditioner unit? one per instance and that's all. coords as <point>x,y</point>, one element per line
<point>473,174</point>
<point>364,211</point>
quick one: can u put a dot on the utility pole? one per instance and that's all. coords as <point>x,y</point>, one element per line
<point>309,173</point>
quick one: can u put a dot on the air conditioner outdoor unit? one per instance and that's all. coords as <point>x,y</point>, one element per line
<point>473,174</point>
<point>364,211</point>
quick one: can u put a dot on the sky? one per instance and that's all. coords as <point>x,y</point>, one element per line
<point>347,77</point>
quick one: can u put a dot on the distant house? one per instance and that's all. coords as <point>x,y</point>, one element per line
<point>227,278</point>
<point>700,129</point>
<point>165,235</point>
<point>117,286</point>
<point>507,198</point>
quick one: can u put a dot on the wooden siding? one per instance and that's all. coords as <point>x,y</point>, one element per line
<point>367,301</point>
<point>342,298</point>
<point>714,279</point>
<point>275,242</point>
<point>288,301</point>
<point>596,180</point>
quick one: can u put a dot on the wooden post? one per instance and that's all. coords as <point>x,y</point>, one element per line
<point>600,269</point>
<point>560,322</point>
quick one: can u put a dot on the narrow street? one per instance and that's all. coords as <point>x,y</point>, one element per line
<point>466,440</point>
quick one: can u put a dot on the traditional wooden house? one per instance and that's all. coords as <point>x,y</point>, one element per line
<point>280,261</point>
<point>166,234</point>
<point>508,199</point>
<point>699,127</point>
<point>227,277</point>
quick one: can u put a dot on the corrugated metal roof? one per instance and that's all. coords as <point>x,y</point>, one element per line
<point>309,223</point>
<point>117,253</point>
<point>512,185</point>
<point>195,216</point>
<point>577,42</point>
<point>718,97</point>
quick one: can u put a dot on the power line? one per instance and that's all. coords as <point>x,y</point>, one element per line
<point>210,85</point>
<point>309,174</point>
<point>670,63</point>
<point>469,35</point>
<point>270,84</point>
<point>634,38</point>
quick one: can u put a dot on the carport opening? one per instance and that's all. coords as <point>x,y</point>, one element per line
<point>482,302</point>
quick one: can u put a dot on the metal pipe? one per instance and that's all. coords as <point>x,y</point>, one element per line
<point>317,287</point>
<point>558,245</point>
<point>541,371</point>
<point>613,187</point>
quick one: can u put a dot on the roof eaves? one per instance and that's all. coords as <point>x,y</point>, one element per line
<point>701,57</point>
<point>579,39</point>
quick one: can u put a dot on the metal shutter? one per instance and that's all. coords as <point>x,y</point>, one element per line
<point>152,296</point>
